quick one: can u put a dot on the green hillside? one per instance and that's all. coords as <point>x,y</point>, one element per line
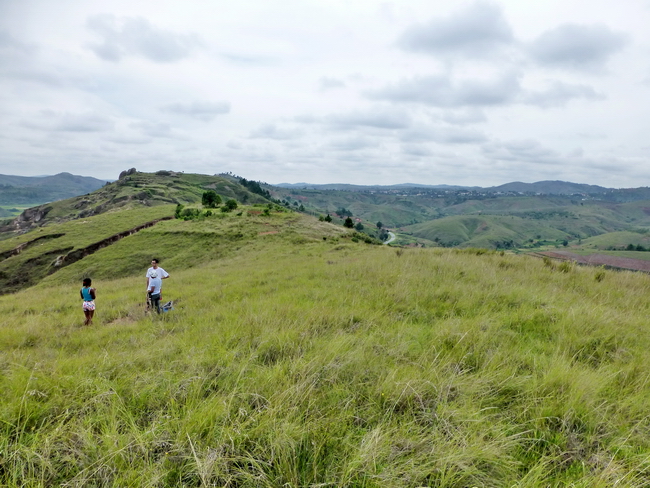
<point>619,240</point>
<point>481,219</point>
<point>487,231</point>
<point>68,230</point>
<point>25,190</point>
<point>298,355</point>
<point>133,190</point>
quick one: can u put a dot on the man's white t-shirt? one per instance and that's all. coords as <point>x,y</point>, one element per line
<point>161,272</point>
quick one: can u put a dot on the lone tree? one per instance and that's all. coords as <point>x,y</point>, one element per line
<point>379,225</point>
<point>210,199</point>
<point>328,218</point>
<point>348,223</point>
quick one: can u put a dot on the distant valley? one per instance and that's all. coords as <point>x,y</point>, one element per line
<point>35,190</point>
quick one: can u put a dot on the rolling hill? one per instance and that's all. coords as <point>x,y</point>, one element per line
<point>446,217</point>
<point>34,190</point>
<point>132,190</point>
<point>44,239</point>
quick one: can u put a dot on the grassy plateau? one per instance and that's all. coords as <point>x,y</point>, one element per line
<point>299,356</point>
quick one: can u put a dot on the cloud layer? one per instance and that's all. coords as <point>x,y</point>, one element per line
<point>475,92</point>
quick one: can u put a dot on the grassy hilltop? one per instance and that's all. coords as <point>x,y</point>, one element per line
<point>67,230</point>
<point>298,355</point>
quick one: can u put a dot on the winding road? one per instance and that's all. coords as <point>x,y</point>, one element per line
<point>391,238</point>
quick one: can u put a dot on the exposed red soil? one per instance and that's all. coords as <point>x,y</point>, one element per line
<point>600,260</point>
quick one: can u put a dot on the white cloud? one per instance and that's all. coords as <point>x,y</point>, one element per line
<point>49,121</point>
<point>441,91</point>
<point>575,46</point>
<point>272,131</point>
<point>559,93</point>
<point>476,31</point>
<point>327,83</point>
<point>201,109</point>
<point>377,118</point>
<point>137,36</point>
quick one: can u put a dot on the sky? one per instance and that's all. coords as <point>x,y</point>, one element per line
<point>476,93</point>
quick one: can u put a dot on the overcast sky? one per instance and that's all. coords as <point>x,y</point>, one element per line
<point>329,91</point>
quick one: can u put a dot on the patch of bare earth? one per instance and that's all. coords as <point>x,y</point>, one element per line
<point>600,260</point>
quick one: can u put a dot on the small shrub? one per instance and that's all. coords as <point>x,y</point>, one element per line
<point>566,266</point>
<point>179,210</point>
<point>190,213</point>
<point>600,275</point>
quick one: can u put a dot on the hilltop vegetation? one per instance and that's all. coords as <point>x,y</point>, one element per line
<point>297,355</point>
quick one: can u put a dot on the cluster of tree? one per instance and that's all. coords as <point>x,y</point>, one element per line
<point>190,213</point>
<point>273,207</point>
<point>254,187</point>
<point>358,227</point>
<point>299,206</point>
<point>638,247</point>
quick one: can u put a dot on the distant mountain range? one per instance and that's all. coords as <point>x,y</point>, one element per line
<point>348,187</point>
<point>545,187</point>
<point>34,190</point>
<point>550,188</point>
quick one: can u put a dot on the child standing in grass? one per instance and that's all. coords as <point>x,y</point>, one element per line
<point>88,296</point>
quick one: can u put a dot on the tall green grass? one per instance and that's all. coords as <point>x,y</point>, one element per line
<point>295,357</point>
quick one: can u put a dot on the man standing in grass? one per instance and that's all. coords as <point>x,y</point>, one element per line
<point>160,273</point>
